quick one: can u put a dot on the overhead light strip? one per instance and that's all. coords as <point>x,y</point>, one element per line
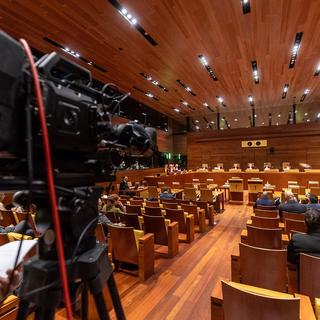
<point>74,53</point>
<point>207,106</point>
<point>295,49</point>
<point>153,81</point>
<point>205,63</point>
<point>132,20</point>
<point>220,99</point>
<point>305,93</point>
<point>250,99</point>
<point>246,6</point>
<point>285,91</point>
<point>186,104</point>
<point>187,88</point>
<point>255,72</point>
<point>146,93</point>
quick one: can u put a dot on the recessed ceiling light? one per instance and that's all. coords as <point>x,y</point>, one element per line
<point>124,10</point>
<point>196,121</point>
<point>245,6</point>
<point>176,109</point>
<point>262,123</point>
<point>277,123</point>
<point>250,99</point>
<point>185,103</point>
<point>236,120</point>
<point>255,72</point>
<point>220,99</point>
<point>205,104</point>
<point>295,49</point>
<point>306,91</point>
<point>279,115</point>
<point>285,90</point>
<point>153,81</point>
<point>197,127</point>
<point>255,115</point>
<point>317,70</point>
<point>306,114</point>
<point>308,120</point>
<point>150,95</point>
<point>212,122</point>
<point>205,63</point>
<point>187,88</point>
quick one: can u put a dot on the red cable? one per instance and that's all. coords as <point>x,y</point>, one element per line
<point>51,186</point>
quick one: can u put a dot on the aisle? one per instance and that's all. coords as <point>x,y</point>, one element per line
<point>182,286</point>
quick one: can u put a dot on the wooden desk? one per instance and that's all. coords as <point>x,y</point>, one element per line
<point>236,190</point>
<point>279,179</point>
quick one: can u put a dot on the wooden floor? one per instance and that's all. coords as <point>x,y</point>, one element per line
<point>181,287</point>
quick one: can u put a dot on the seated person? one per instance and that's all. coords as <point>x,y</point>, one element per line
<point>264,200</point>
<point>166,194</point>
<point>19,228</point>
<point>306,243</point>
<point>118,203</point>
<point>313,202</point>
<point>110,206</point>
<point>122,165</point>
<point>291,204</point>
<point>124,187</point>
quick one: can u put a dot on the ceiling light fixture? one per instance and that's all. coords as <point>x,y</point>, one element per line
<point>205,63</point>
<point>317,73</point>
<point>220,99</point>
<point>187,88</point>
<point>250,99</point>
<point>153,81</point>
<point>148,94</point>
<point>305,93</point>
<point>176,109</point>
<point>255,72</point>
<point>295,49</point>
<point>285,90</point>
<point>185,103</point>
<point>207,106</point>
<point>245,6</point>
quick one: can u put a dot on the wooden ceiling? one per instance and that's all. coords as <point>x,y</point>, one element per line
<point>183,29</point>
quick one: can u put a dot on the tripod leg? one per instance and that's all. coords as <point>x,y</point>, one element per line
<point>84,302</point>
<point>45,314</point>
<point>115,298</point>
<point>101,306</point>
<point>23,309</point>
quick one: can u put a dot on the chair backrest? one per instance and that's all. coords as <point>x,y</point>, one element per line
<point>137,198</point>
<point>152,192</point>
<point>264,238</point>
<point>170,205</point>
<point>315,191</point>
<point>269,208</point>
<point>206,195</point>
<point>152,203</point>
<point>190,193</point>
<point>130,220</point>
<point>176,184</point>
<point>263,222</point>
<point>153,211</point>
<point>133,209</point>
<point>136,202</point>
<point>266,213</point>
<point>294,225</point>
<point>188,185</point>
<point>243,302</point>
<point>157,226</point>
<point>310,275</point>
<point>191,209</point>
<point>7,218</point>
<point>112,216</point>
<point>293,216</point>
<point>270,267</point>
<point>182,201</point>
<point>168,200</point>
<point>124,244</point>
<point>178,216</point>
<point>204,205</point>
<point>124,197</point>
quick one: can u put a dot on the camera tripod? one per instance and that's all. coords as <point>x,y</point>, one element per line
<point>86,259</point>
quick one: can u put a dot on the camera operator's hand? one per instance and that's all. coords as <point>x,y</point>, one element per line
<point>4,283</point>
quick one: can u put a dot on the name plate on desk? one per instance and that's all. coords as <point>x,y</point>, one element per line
<point>234,170</point>
<point>271,170</point>
<point>252,170</point>
<point>291,170</point>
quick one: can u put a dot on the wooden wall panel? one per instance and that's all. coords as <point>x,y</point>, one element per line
<point>295,143</point>
<point>180,144</point>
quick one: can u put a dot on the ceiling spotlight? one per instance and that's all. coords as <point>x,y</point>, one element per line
<point>285,90</point>
<point>150,95</point>
<point>279,115</point>
<point>306,114</point>
<point>155,82</point>
<point>255,72</point>
<point>205,63</point>
<point>212,122</point>
<point>306,91</point>
<point>308,120</point>
<point>236,120</point>
<point>197,127</point>
<point>317,71</point>
<point>262,123</point>
<point>149,78</point>
<point>318,115</point>
<point>188,89</point>
<point>185,103</point>
<point>245,6</point>
<point>134,21</point>
<point>176,109</point>
<point>205,104</point>
<point>124,10</point>
<point>196,121</point>
<point>220,99</point>
<point>250,98</point>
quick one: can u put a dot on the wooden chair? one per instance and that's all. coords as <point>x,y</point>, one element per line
<point>176,185</point>
<point>294,225</point>
<point>309,276</point>
<point>190,194</point>
<point>185,222</point>
<point>152,203</point>
<point>198,214</point>
<point>264,238</point>
<point>182,201</point>
<point>163,235</point>
<point>153,192</point>
<point>153,211</point>
<point>208,209</point>
<point>112,216</point>
<point>124,197</point>
<point>133,209</point>
<point>128,249</point>
<point>315,191</point>
<point>266,213</point>
<point>270,267</point>
<point>262,222</point>
<point>293,216</point>
<point>9,308</point>
<point>130,220</point>
<point>7,218</point>
<point>269,208</point>
<point>243,302</point>
<point>206,195</point>
<point>173,200</point>
<point>170,205</point>
<point>137,198</point>
<point>136,202</point>
<point>21,216</point>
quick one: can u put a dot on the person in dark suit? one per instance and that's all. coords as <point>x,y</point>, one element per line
<point>264,200</point>
<point>313,202</point>
<point>166,194</point>
<point>306,242</point>
<point>291,205</point>
<point>124,187</point>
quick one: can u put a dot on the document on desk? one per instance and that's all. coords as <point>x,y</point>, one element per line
<point>9,251</point>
